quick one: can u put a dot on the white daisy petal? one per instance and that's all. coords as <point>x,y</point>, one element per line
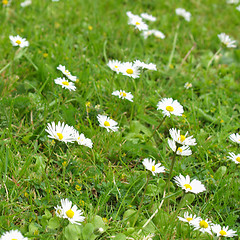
<point>226,40</point>
<point>114,65</point>
<point>123,95</point>
<point>82,140</point>
<point>150,165</point>
<point>187,218</point>
<point>183,13</point>
<point>182,139</point>
<point>170,106</point>
<point>235,138</point>
<point>148,17</point>
<point>223,231</point>
<point>235,158</point>
<point>65,84</point>
<point>107,123</point>
<point>202,225</point>
<point>13,235</point>
<point>67,73</point>
<point>130,70</point>
<point>18,41</point>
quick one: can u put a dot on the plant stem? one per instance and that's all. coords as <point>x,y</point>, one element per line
<point>50,155</point>
<point>140,205</point>
<point>214,56</point>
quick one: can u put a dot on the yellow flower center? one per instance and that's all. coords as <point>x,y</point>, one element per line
<point>137,23</point>
<point>187,186</point>
<point>70,213</point>
<point>238,159</point>
<point>203,224</point>
<point>67,72</point>
<point>179,150</point>
<point>116,66</point>
<point>182,138</point>
<point>18,42</point>
<point>65,83</point>
<point>169,108</point>
<point>107,124</point>
<point>4,2</point>
<point>14,239</point>
<point>189,219</point>
<point>153,169</point>
<point>60,136</point>
<point>129,71</point>
<point>223,233</point>
<point>123,94</point>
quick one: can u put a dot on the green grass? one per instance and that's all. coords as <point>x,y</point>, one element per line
<point>111,175</point>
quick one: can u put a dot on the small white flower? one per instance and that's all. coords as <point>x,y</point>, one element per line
<point>82,140</point>
<point>225,39</point>
<point>114,65</point>
<point>13,235</point>
<point>202,225</point>
<point>150,165</point>
<point>148,237</point>
<point>67,73</point>
<point>235,158</point>
<point>148,17</point>
<point>170,106</point>
<point>232,1</point>
<point>151,66</point>
<point>131,15</point>
<point>158,34</point>
<point>71,213</point>
<point>187,85</point>
<point>101,230</point>
<point>223,231</point>
<point>124,95</point>
<point>65,84</point>
<point>6,3</point>
<point>182,151</point>
<point>187,217</point>
<point>182,139</point>
<point>139,64</point>
<point>59,211</point>
<point>238,8</point>
<point>182,12</point>
<point>138,23</point>
<point>235,137</point>
<point>194,186</point>
<point>130,70</point>
<point>26,3</point>
<point>61,132</point>
<point>107,123</point>
<point>147,33</point>
<point>18,41</point>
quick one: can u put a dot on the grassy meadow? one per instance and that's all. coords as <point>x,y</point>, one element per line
<point>109,182</point>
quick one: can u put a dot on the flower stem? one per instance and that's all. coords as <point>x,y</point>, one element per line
<point>140,205</point>
<point>214,56</point>
<point>50,155</point>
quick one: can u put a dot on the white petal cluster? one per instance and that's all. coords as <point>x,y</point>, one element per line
<point>18,41</point>
<point>202,225</point>
<point>235,137</point>
<point>226,40</point>
<point>114,65</point>
<point>187,217</point>
<point>123,95</point>
<point>182,151</point>
<point>238,8</point>
<point>148,17</point>
<point>108,123</point>
<point>26,3</point>
<point>150,165</point>
<point>234,157</point>
<point>82,140</point>
<point>67,73</point>
<point>66,210</point>
<point>223,231</point>
<point>182,139</point>
<point>156,33</point>
<point>61,132</point>
<point>193,186</point>
<point>187,85</point>
<point>13,234</point>
<point>183,13</point>
<point>65,84</point>
<point>170,107</point>
<point>232,1</point>
<point>130,70</point>
<point>136,21</point>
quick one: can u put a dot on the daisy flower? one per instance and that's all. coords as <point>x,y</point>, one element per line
<point>65,84</point>
<point>182,139</point>
<point>26,3</point>
<point>18,41</point>
<point>67,73</point>
<point>148,17</point>
<point>124,95</point>
<point>226,40</point>
<point>138,23</point>
<point>183,150</point>
<point>235,137</point>
<point>61,132</point>
<point>187,85</point>
<point>183,13</point>
<point>158,34</point>
<point>82,140</point>
<point>170,106</point>
<point>235,158</point>
<point>114,65</point>
<point>194,186</point>
<point>151,66</point>
<point>71,213</point>
<point>107,123</point>
<point>202,225</point>
<point>187,217</point>
<point>223,231</point>
<point>131,15</point>
<point>130,70</point>
<point>13,235</point>
<point>6,3</point>
<point>147,33</point>
<point>150,165</point>
<point>59,211</point>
